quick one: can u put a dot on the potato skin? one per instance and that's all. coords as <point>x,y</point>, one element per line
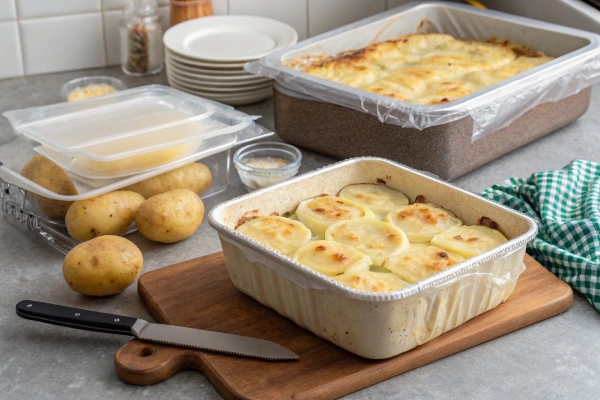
<point>107,214</point>
<point>102,266</point>
<point>195,177</point>
<point>170,217</point>
<point>51,176</point>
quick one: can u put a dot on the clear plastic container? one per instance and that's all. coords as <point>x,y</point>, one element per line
<point>129,132</point>
<point>18,211</point>
<point>255,177</point>
<point>74,84</point>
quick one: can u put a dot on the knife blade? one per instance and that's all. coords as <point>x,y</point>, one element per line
<point>165,334</point>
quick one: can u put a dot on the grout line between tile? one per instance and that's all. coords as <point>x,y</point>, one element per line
<point>19,35</point>
<point>307,19</point>
<point>228,8</point>
<point>104,38</point>
<point>20,49</point>
<point>59,16</point>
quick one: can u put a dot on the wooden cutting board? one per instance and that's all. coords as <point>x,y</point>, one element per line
<point>199,294</point>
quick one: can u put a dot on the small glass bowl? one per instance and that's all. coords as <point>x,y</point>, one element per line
<point>257,178</point>
<point>91,80</point>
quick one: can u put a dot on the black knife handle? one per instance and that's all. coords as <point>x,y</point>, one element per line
<point>75,317</point>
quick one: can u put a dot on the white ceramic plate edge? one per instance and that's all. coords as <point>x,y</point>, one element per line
<point>280,33</point>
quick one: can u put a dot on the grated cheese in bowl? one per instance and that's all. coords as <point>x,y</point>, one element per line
<point>88,87</point>
<point>90,91</point>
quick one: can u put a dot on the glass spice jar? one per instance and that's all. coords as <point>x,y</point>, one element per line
<point>141,38</point>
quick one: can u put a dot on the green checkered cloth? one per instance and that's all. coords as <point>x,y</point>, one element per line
<point>566,206</point>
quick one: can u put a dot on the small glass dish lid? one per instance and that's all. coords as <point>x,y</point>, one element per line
<point>264,164</point>
<point>86,81</point>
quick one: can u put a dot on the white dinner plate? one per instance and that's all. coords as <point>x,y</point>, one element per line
<point>235,79</point>
<point>234,100</point>
<point>215,87</point>
<point>228,38</point>
<point>205,64</point>
<point>199,84</point>
<point>208,92</point>
<point>206,71</point>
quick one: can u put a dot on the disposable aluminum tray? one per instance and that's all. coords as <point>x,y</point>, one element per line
<point>373,325</point>
<point>342,121</point>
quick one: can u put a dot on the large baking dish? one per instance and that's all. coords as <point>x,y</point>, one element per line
<point>445,150</point>
<point>372,325</point>
<point>346,122</point>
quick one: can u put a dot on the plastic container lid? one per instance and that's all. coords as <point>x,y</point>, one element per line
<point>132,113</point>
<point>102,153</point>
<point>127,132</point>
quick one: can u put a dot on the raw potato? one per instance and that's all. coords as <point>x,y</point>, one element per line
<point>49,175</point>
<point>195,177</point>
<point>102,266</point>
<point>108,214</point>
<point>170,217</point>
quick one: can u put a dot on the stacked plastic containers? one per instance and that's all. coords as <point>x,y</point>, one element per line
<point>113,141</point>
<point>109,142</point>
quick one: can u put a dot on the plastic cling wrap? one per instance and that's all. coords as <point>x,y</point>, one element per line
<point>576,66</point>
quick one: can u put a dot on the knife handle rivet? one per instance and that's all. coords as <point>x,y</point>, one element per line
<point>77,314</point>
<point>29,305</point>
<point>116,319</point>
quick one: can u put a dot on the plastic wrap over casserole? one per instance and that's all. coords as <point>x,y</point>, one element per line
<point>373,325</point>
<point>575,67</point>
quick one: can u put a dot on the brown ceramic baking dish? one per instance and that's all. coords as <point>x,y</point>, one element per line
<point>444,150</point>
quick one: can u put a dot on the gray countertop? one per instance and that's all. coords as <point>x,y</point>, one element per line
<point>554,359</point>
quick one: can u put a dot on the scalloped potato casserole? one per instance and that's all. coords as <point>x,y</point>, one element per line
<point>369,238</point>
<point>430,68</point>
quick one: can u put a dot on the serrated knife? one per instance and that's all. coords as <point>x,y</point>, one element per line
<point>159,333</point>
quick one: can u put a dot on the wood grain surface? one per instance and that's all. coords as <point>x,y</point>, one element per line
<point>199,294</point>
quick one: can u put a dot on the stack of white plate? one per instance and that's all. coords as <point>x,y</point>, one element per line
<point>206,56</point>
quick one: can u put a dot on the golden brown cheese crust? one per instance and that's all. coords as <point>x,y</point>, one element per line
<point>428,68</point>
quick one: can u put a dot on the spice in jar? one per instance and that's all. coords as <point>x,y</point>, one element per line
<point>141,38</point>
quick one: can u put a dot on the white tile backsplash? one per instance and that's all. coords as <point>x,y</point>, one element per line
<point>62,43</point>
<point>7,10</point>
<point>46,8</point>
<point>292,12</point>
<point>325,15</point>
<point>112,38</point>
<point>57,35</point>
<point>165,17</point>
<point>11,64</point>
